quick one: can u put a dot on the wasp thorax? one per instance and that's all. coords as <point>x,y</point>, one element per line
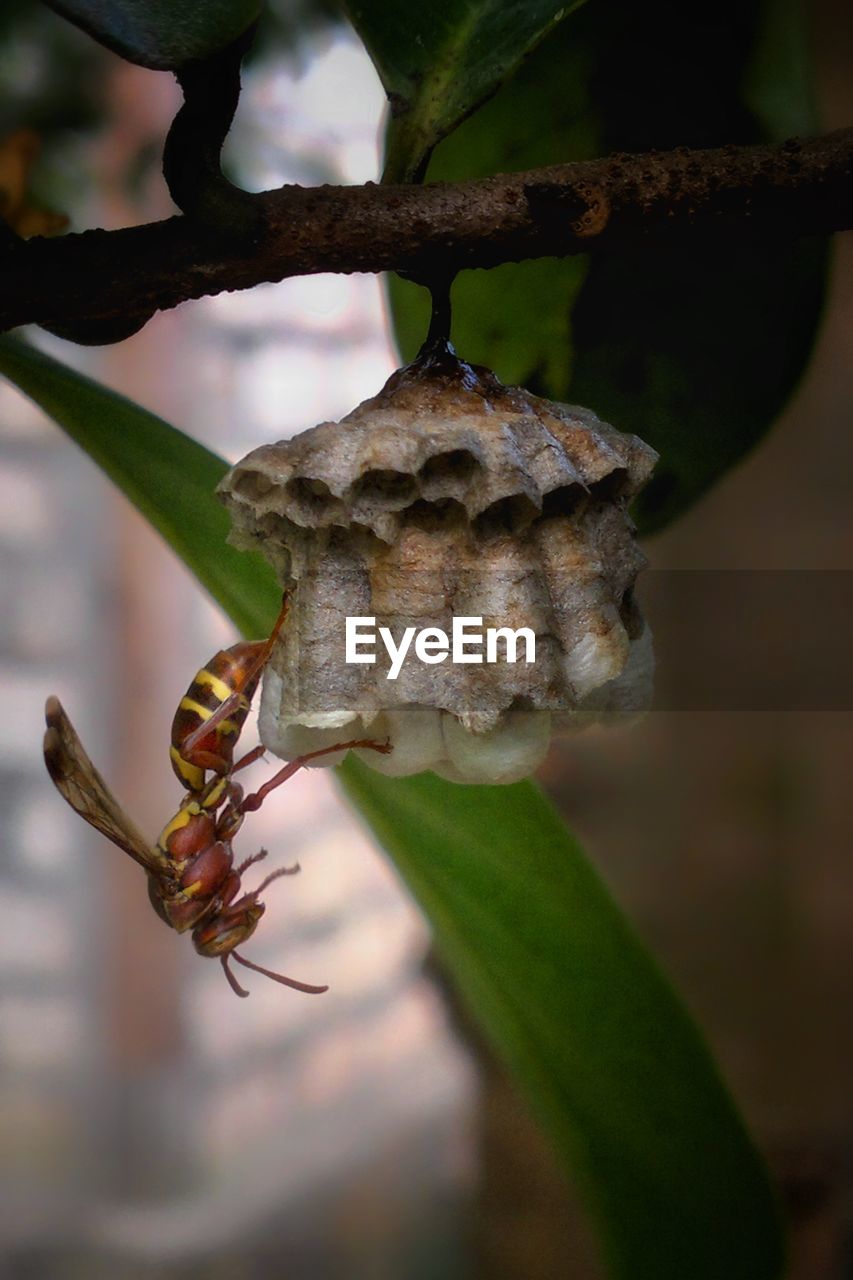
<point>449,506</point>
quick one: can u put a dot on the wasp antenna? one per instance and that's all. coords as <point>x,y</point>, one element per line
<point>276,977</point>
<point>232,981</point>
<point>274,875</point>
<point>250,862</point>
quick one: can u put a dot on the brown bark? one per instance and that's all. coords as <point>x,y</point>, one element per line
<point>101,285</point>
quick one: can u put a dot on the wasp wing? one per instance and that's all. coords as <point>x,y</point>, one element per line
<point>78,780</point>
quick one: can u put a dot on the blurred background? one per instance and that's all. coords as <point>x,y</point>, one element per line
<point>151,1125</point>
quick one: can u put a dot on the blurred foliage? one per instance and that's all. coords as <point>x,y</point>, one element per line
<point>51,82</point>
<point>18,153</point>
<point>50,73</point>
<point>695,349</point>
<point>293,25</point>
<point>166,475</point>
<point>54,80</point>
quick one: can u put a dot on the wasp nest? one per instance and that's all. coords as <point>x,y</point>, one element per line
<point>447,497</point>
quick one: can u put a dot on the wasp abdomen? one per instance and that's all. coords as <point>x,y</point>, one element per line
<point>229,671</point>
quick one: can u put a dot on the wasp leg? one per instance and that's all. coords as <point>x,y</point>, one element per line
<point>274,875</point>
<point>210,760</point>
<point>250,803</point>
<point>249,758</point>
<point>276,977</point>
<point>250,862</point>
<point>232,981</point>
<point>259,857</point>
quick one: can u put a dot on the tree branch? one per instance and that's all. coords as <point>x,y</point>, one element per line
<point>107,283</point>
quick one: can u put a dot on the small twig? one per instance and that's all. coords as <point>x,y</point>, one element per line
<point>441,315</point>
<point>623,202</point>
<point>191,156</point>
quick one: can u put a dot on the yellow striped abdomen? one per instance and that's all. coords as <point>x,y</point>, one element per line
<point>222,677</point>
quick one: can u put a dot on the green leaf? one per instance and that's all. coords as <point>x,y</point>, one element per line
<point>515,319</point>
<point>440,58</point>
<point>697,354</point>
<point>162,34</point>
<point>779,84</point>
<point>567,995</point>
<point>564,990</point>
<point>163,472</point>
<point>696,349</point>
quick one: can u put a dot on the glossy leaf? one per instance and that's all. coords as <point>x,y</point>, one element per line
<point>162,34</point>
<point>556,978</point>
<point>440,58</point>
<point>167,475</point>
<point>695,349</point>
<point>564,990</point>
<point>516,319</point>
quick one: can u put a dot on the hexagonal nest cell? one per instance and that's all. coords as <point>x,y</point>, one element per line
<point>449,495</point>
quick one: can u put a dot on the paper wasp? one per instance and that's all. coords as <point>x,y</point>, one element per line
<point>192,881</point>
